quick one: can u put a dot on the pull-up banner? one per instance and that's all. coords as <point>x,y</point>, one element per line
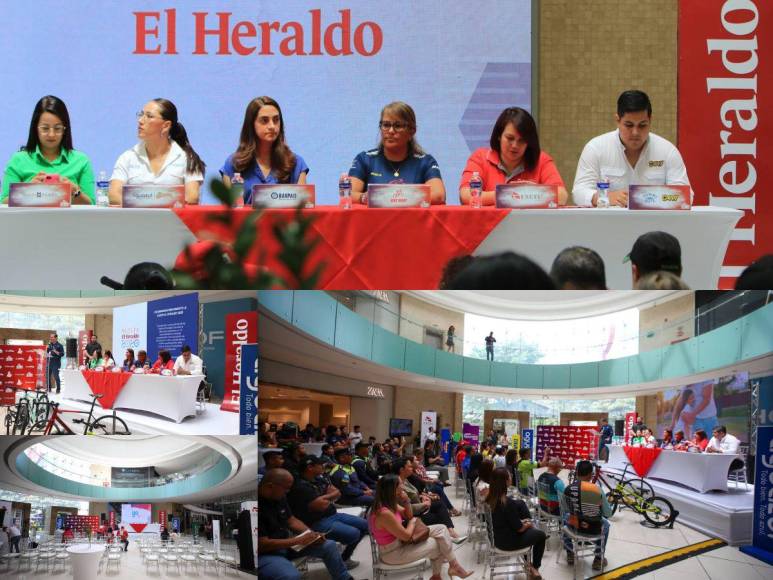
<point>726,118</point>
<point>240,329</point>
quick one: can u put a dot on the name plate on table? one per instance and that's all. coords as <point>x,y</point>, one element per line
<point>39,195</point>
<point>283,196</point>
<point>659,197</point>
<point>153,196</point>
<point>399,195</point>
<point>526,196</point>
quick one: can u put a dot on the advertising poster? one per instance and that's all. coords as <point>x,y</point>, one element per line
<point>762,537</point>
<point>527,442</point>
<point>172,323</point>
<point>445,445</point>
<point>471,433</point>
<point>130,330</point>
<point>240,328</point>
<point>428,419</point>
<point>248,406</point>
<point>569,443</point>
<point>23,366</point>
<point>721,401</point>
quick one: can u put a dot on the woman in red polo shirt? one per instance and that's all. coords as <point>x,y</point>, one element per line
<point>515,156</point>
<point>164,362</point>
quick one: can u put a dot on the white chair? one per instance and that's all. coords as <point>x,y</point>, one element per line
<point>380,569</point>
<point>113,559</point>
<point>62,558</point>
<point>44,557</point>
<point>208,559</point>
<point>477,528</point>
<point>507,561</point>
<point>227,557</point>
<point>152,559</point>
<point>27,559</point>
<point>6,560</point>
<point>582,544</point>
<point>189,560</point>
<point>170,559</point>
<point>547,522</point>
<point>739,475</point>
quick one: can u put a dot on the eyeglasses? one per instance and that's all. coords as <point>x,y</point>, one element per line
<point>387,125</point>
<point>56,129</point>
<point>148,116</point>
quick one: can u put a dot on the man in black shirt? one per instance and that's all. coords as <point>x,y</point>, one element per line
<point>275,541</point>
<point>273,459</point>
<point>54,354</point>
<point>490,340</point>
<point>311,500</point>
<point>92,347</point>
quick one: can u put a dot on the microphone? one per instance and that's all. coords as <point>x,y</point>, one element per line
<point>110,283</point>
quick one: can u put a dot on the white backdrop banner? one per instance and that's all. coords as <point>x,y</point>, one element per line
<point>428,419</point>
<point>130,329</point>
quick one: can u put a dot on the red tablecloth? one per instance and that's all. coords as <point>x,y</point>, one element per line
<point>106,383</point>
<point>366,248</point>
<point>642,458</point>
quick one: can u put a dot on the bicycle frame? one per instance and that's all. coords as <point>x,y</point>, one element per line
<point>56,419</point>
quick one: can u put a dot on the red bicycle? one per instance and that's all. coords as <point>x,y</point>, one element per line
<point>105,425</point>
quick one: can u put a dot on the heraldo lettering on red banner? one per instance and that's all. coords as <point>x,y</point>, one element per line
<point>223,34</point>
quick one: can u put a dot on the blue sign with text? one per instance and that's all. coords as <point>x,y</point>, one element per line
<point>762,532</point>
<point>248,391</point>
<point>527,440</point>
<point>445,445</point>
<point>172,323</point>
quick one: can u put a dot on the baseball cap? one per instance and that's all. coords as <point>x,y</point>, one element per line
<point>272,452</point>
<point>342,451</point>
<point>309,460</point>
<point>656,251</point>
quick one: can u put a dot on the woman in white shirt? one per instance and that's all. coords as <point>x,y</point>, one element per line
<point>109,361</point>
<point>649,439</point>
<point>164,156</point>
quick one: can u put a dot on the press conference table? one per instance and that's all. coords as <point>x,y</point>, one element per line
<point>173,397</point>
<point>702,472</point>
<point>361,248</point>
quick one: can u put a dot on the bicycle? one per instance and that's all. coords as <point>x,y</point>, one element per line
<point>635,485</point>
<point>26,412</point>
<point>629,493</point>
<point>108,424</point>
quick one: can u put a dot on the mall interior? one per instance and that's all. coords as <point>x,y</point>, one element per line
<point>679,360</point>
<point>188,505</point>
<point>118,321</point>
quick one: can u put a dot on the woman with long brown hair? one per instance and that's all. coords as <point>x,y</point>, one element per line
<point>391,507</point>
<point>263,156</point>
<point>513,529</point>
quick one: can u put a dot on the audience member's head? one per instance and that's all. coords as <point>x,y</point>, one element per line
<point>485,471</point>
<point>578,268</point>
<point>655,251</point>
<point>757,276</point>
<point>327,449</point>
<point>275,484</point>
<point>362,449</point>
<point>584,470</point>
<point>497,491</point>
<point>452,268</point>
<point>343,456</point>
<point>511,457</point>
<point>402,466</point>
<point>505,271</point>
<point>524,453</point>
<point>555,465</point>
<point>310,467</point>
<point>273,459</point>
<point>386,493</point>
<point>660,280</point>
<point>679,436</point>
<point>700,435</point>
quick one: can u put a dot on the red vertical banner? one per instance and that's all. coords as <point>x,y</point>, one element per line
<point>630,421</point>
<point>111,519</point>
<point>240,328</point>
<point>84,336</point>
<point>726,119</point>
<point>162,518</point>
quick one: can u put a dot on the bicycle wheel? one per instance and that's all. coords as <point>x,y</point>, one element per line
<point>10,419</point>
<point>22,419</point>
<point>612,498</point>
<point>658,511</point>
<point>639,487</point>
<point>111,425</point>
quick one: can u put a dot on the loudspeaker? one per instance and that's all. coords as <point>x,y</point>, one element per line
<point>619,427</point>
<point>71,347</point>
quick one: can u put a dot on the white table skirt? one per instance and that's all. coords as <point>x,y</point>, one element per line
<point>172,397</point>
<point>700,471</point>
<point>85,560</point>
<point>540,234</point>
<point>45,248</point>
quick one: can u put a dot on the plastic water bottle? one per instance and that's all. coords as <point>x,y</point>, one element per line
<point>237,187</point>
<point>602,188</point>
<point>345,191</point>
<point>103,184</point>
<point>476,184</point>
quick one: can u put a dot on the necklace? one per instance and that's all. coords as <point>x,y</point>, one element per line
<point>395,169</point>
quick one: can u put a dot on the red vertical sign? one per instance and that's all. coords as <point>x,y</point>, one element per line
<point>84,337</point>
<point>240,328</point>
<point>111,519</point>
<point>162,518</point>
<point>725,118</point>
<point>630,421</point>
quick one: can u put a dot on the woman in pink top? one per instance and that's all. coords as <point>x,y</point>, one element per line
<point>390,507</point>
<point>515,156</point>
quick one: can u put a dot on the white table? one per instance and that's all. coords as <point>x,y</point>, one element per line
<point>703,233</point>
<point>85,560</point>
<point>172,397</point>
<point>700,471</point>
<point>133,236</point>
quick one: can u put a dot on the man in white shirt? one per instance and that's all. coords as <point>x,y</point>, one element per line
<point>355,437</point>
<point>14,537</point>
<point>721,442</point>
<point>630,155</point>
<point>188,363</point>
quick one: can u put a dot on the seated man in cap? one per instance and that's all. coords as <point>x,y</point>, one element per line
<point>273,459</point>
<point>655,252</point>
<point>311,499</point>
<point>344,477</point>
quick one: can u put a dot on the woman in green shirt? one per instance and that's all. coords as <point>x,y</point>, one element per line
<point>49,151</point>
<point>98,360</point>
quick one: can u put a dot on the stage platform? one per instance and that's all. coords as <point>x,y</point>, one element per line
<point>728,516</point>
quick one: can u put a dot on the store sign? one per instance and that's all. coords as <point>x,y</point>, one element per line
<point>375,392</point>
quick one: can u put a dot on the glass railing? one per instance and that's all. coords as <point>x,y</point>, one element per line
<point>72,469</point>
<point>589,339</point>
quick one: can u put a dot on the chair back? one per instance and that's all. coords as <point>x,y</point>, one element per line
<point>373,544</point>
<point>743,450</point>
<point>489,518</point>
<point>543,491</point>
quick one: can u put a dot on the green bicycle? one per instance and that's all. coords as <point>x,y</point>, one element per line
<point>638,496</point>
